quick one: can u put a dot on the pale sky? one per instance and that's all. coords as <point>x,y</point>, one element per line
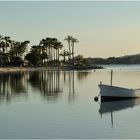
<point>103,28</point>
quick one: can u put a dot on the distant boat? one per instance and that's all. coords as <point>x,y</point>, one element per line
<point>109,92</point>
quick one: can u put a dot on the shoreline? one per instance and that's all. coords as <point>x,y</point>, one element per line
<point>18,69</point>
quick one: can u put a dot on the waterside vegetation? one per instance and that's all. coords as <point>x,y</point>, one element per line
<point>49,52</point>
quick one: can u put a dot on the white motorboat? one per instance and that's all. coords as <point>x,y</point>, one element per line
<point>108,92</point>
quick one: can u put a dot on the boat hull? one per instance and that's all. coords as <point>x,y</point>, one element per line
<point>110,98</point>
<point>108,92</point>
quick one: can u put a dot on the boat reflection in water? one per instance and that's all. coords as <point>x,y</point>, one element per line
<point>118,105</point>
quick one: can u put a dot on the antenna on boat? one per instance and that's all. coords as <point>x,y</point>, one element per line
<point>111,119</point>
<point>111,85</point>
<point>111,77</point>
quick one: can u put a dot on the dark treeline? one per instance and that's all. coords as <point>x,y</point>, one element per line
<point>11,51</point>
<point>46,53</point>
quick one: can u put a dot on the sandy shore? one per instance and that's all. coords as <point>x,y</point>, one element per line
<point>16,69</point>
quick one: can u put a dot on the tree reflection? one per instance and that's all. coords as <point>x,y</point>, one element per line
<point>12,85</point>
<point>47,82</point>
<point>50,83</point>
<point>69,80</point>
<point>82,75</point>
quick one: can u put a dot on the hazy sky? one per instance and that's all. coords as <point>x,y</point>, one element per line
<point>102,28</point>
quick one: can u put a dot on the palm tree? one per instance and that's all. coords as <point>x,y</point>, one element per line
<point>57,46</point>
<point>1,40</point>
<point>48,46</point>
<point>18,48</point>
<point>2,43</point>
<point>34,56</point>
<point>12,43</point>
<point>24,46</point>
<point>54,45</point>
<point>7,42</point>
<point>73,41</point>
<point>68,39</point>
<point>43,46</point>
<point>60,46</point>
<point>64,54</point>
<point>1,37</point>
<point>43,57</point>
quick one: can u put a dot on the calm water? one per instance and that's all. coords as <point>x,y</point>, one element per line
<point>60,104</point>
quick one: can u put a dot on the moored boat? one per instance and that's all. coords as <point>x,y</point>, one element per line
<point>115,93</point>
<point>110,92</point>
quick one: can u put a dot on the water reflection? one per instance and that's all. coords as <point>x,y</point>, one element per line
<point>82,75</point>
<point>49,84</point>
<point>114,106</point>
<point>71,81</point>
<point>13,85</point>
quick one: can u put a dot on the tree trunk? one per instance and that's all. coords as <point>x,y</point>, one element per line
<point>73,54</point>
<point>64,58</point>
<point>69,50</point>
<point>58,54</point>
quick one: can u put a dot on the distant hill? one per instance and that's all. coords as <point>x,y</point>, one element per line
<point>126,56</point>
<point>127,59</point>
